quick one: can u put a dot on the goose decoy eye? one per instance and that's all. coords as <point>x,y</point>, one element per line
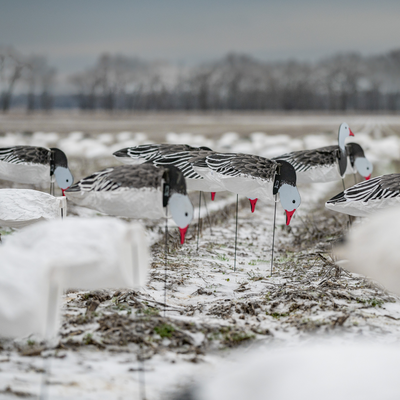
<point>186,214</point>
<point>293,201</point>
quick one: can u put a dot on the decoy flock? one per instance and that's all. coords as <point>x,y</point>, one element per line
<point>154,249</point>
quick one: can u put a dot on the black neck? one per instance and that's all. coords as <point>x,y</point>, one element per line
<point>342,160</point>
<point>285,173</point>
<point>354,151</point>
<point>57,159</point>
<point>174,182</point>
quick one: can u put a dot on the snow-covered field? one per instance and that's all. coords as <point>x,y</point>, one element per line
<point>214,314</point>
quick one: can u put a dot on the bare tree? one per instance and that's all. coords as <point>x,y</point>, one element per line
<point>39,78</point>
<point>343,74</point>
<point>11,67</point>
<point>341,82</point>
<point>86,84</point>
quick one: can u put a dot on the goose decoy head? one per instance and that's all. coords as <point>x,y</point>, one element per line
<point>182,212</point>
<point>364,167</point>
<point>344,132</point>
<point>285,185</point>
<point>176,198</point>
<point>290,200</point>
<point>358,160</point>
<point>59,167</point>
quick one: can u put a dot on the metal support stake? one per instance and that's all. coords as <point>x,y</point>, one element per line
<point>273,235</point>
<point>166,260</point>
<point>198,223</point>
<point>208,215</point>
<point>237,210</point>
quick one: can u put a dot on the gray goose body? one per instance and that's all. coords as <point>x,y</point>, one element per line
<point>316,165</point>
<point>135,191</point>
<point>34,165</point>
<point>367,197</point>
<point>25,164</point>
<point>323,164</point>
<point>252,176</point>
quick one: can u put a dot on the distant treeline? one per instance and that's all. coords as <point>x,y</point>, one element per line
<point>342,82</point>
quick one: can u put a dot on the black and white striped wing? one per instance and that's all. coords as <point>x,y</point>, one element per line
<point>25,155</point>
<point>241,165</point>
<point>99,181</point>
<point>304,160</point>
<point>184,161</point>
<point>179,155</point>
<point>152,152</point>
<point>125,176</point>
<point>381,187</point>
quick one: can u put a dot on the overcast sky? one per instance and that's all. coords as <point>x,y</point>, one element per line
<point>72,33</point>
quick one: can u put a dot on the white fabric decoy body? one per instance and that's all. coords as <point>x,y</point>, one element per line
<point>29,302</point>
<point>367,197</point>
<point>181,156</point>
<point>136,191</point>
<point>357,162</point>
<point>364,371</point>
<point>372,248</point>
<point>324,164</point>
<point>74,253</point>
<point>35,165</point>
<point>252,176</point>
<point>88,253</point>
<point>21,207</point>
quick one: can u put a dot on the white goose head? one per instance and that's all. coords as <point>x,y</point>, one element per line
<point>358,160</point>
<point>59,167</point>
<point>344,132</point>
<point>182,212</point>
<point>290,200</point>
<point>364,167</point>
<point>178,201</point>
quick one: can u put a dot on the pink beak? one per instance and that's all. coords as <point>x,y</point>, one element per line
<point>183,233</point>
<point>367,178</point>
<point>253,203</point>
<point>351,133</point>
<point>212,196</point>
<point>63,191</point>
<point>289,215</point>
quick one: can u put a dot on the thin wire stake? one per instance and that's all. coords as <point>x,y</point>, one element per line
<point>273,238</point>
<point>198,223</point>
<point>237,209</point>
<point>208,215</point>
<point>166,260</point>
<point>344,187</point>
<point>142,381</point>
<point>355,179</point>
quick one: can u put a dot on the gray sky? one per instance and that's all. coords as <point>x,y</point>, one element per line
<point>72,33</point>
